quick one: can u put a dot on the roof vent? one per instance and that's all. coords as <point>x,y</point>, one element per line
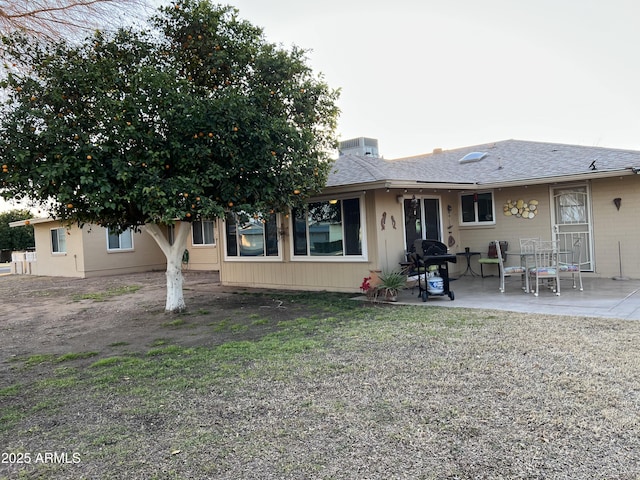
<point>473,157</point>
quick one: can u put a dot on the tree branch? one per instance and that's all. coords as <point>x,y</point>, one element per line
<point>54,18</point>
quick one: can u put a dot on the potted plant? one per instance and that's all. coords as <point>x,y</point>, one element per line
<point>390,284</point>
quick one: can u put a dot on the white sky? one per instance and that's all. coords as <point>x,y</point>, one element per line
<point>425,74</point>
<point>422,74</point>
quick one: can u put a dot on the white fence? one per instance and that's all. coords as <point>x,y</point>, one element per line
<point>21,262</point>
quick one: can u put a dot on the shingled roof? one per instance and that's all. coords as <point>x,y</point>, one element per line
<point>508,162</point>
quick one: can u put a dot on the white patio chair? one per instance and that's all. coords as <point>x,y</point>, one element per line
<point>573,263</point>
<point>547,269</point>
<point>527,258</point>
<point>504,270</point>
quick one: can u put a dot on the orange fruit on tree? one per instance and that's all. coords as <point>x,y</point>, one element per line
<point>69,205</point>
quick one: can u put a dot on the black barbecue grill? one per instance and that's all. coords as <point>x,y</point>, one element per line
<point>427,253</point>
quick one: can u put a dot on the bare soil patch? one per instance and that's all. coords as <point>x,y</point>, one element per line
<point>53,315</point>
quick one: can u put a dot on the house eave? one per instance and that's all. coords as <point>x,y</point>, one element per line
<point>32,221</point>
<point>557,179</point>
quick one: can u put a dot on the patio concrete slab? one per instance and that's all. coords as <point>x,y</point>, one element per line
<point>601,297</point>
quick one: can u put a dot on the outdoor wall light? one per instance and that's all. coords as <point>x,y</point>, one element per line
<point>617,202</point>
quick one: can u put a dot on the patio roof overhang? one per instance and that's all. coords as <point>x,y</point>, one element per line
<point>551,179</point>
<point>465,186</point>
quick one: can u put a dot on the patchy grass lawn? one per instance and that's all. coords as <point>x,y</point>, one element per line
<point>340,390</point>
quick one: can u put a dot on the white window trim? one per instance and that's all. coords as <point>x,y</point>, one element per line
<point>120,250</point>
<point>441,214</point>
<point>262,258</point>
<point>58,229</point>
<point>477,223</point>
<point>364,257</point>
<point>213,228</point>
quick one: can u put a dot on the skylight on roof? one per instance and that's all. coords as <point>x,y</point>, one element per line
<point>473,157</point>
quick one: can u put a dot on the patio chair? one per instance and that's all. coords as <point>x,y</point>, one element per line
<point>573,263</point>
<point>547,269</point>
<point>527,258</point>
<point>504,270</point>
<point>492,255</point>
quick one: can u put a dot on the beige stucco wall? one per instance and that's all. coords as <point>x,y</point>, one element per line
<point>508,228</point>
<point>205,257</point>
<point>69,264</point>
<point>612,226</point>
<point>87,256</point>
<point>145,256</point>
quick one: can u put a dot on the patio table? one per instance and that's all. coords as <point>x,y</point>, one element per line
<point>468,254</point>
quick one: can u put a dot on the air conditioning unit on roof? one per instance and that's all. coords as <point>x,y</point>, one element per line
<point>362,146</point>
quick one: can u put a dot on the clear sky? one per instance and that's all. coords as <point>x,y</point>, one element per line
<point>423,74</point>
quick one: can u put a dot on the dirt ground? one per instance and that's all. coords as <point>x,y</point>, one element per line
<point>53,315</point>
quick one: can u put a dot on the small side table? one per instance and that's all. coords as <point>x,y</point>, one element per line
<point>468,254</point>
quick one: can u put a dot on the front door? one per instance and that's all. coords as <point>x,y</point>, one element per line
<point>572,220</point>
<point>421,220</point>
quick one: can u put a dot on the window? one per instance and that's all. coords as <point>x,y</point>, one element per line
<point>120,241</point>
<point>251,236</point>
<point>202,231</point>
<point>328,229</point>
<point>59,240</point>
<point>477,208</point>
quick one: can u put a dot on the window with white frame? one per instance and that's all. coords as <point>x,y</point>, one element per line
<point>59,240</point>
<point>477,208</point>
<point>328,229</point>
<point>251,236</point>
<point>202,232</point>
<point>119,241</point>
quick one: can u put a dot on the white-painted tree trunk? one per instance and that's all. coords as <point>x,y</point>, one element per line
<point>173,254</point>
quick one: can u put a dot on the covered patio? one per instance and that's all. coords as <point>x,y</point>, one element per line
<point>601,297</point>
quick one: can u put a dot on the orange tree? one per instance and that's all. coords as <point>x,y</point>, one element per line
<point>189,119</point>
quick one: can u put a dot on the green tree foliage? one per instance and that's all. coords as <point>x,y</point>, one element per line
<point>17,238</point>
<point>193,118</point>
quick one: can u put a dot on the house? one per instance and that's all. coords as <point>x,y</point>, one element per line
<point>373,209</point>
<point>92,251</point>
